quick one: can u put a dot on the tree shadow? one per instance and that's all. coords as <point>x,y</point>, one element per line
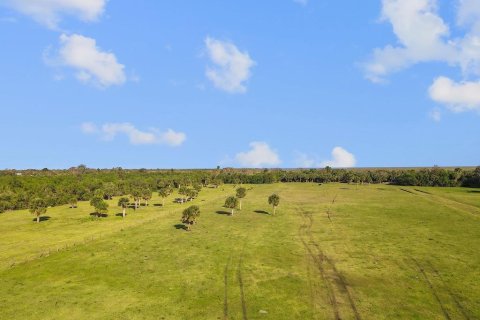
<point>180,226</point>
<point>223,212</point>
<point>42,218</point>
<point>103,215</point>
<point>157,205</point>
<point>474,191</point>
<point>261,212</point>
<point>120,214</point>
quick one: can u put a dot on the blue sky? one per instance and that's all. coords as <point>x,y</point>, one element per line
<point>196,84</point>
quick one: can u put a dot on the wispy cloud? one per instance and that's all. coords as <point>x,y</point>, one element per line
<point>110,131</point>
<point>232,67</point>
<point>50,12</point>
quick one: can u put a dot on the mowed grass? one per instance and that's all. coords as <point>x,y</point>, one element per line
<point>332,251</point>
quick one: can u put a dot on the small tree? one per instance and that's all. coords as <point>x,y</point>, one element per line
<point>110,190</point>
<point>101,207</point>
<point>136,194</point>
<point>231,203</point>
<point>164,193</point>
<point>73,202</point>
<point>123,202</point>
<point>241,193</point>
<point>146,195</point>
<point>183,192</point>
<point>38,207</point>
<point>192,194</point>
<point>274,200</point>
<point>190,216</point>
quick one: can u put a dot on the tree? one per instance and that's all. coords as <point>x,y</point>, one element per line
<point>192,194</point>
<point>146,195</point>
<point>101,207</point>
<point>190,216</point>
<point>231,203</point>
<point>136,194</point>
<point>110,190</point>
<point>123,202</point>
<point>164,193</point>
<point>241,193</point>
<point>183,192</point>
<point>73,202</point>
<point>38,207</point>
<point>274,200</point>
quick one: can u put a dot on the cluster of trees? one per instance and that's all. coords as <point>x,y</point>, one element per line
<point>57,187</point>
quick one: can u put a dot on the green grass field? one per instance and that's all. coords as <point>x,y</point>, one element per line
<point>333,251</point>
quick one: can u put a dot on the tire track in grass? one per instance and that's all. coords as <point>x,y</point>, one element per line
<point>432,289</point>
<point>242,292</point>
<point>333,279</point>
<point>305,237</point>
<point>460,307</point>
<point>225,284</point>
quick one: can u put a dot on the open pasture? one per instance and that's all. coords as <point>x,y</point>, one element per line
<point>332,251</point>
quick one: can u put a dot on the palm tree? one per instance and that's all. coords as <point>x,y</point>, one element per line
<point>146,195</point>
<point>274,200</point>
<point>183,192</point>
<point>164,193</point>
<point>123,202</point>
<point>231,203</point>
<point>136,194</point>
<point>73,202</point>
<point>190,216</point>
<point>38,207</point>
<point>241,193</point>
<point>101,207</point>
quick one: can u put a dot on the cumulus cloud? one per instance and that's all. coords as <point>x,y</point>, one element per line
<point>92,65</point>
<point>259,155</point>
<point>341,158</point>
<point>49,12</point>
<point>110,131</point>
<point>232,67</point>
<point>457,96</point>
<point>424,36</point>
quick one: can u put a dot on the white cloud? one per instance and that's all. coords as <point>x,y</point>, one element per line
<point>49,12</point>
<point>301,2</point>
<point>435,115</point>
<point>92,65</point>
<point>109,132</point>
<point>420,32</point>
<point>259,155</point>
<point>463,96</point>
<point>232,67</point>
<point>303,160</point>
<point>424,36</point>
<point>341,158</point>
<point>88,128</point>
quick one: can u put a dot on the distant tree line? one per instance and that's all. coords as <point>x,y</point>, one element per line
<point>58,187</point>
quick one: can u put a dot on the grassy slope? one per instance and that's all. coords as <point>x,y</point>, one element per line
<point>385,254</point>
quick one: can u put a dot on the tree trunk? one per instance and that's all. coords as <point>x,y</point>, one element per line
<point>124,213</point>
<point>38,219</point>
<point>240,204</point>
<point>163,202</point>
<point>232,212</point>
<point>274,210</point>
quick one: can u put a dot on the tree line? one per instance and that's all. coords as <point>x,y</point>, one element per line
<point>58,187</point>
